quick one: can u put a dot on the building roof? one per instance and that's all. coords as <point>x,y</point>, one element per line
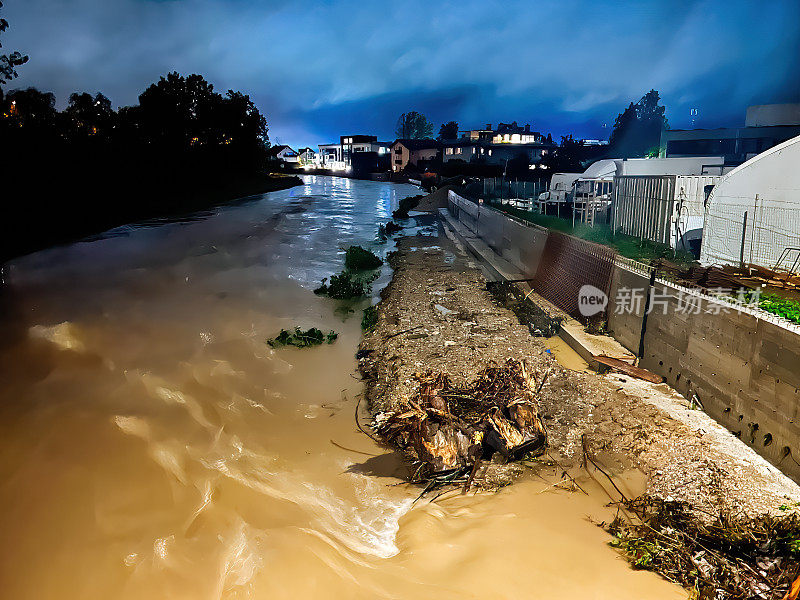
<point>419,144</point>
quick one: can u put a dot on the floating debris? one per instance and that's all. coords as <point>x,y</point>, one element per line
<point>406,204</point>
<point>361,259</point>
<point>302,339</point>
<point>346,285</point>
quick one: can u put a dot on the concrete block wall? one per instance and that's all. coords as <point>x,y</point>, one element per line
<point>745,371</point>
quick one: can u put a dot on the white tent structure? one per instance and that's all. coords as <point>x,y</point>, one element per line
<point>753,214</point>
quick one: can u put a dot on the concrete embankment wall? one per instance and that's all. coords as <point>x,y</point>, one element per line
<point>743,365</point>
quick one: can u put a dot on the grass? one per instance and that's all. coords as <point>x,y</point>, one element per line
<point>302,339</point>
<point>628,246</point>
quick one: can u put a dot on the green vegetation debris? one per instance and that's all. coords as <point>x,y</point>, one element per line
<point>392,228</point>
<point>406,204</point>
<point>360,259</point>
<point>716,558</point>
<point>302,339</point>
<point>370,318</point>
<point>346,285</point>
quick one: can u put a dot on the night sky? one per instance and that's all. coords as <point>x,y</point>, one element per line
<point>321,69</point>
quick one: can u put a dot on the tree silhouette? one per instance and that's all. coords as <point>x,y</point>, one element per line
<point>89,167</point>
<point>9,62</point>
<point>413,125</point>
<point>637,130</point>
<point>89,116</point>
<point>448,131</point>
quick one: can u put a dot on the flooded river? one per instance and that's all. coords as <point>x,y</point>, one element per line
<point>153,446</point>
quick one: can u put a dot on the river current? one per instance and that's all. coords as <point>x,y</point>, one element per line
<point>152,445</point>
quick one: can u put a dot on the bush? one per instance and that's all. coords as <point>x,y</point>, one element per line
<point>302,339</point>
<point>359,259</point>
<point>406,204</point>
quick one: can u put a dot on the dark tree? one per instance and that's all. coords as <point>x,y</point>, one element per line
<point>9,62</point>
<point>448,131</point>
<point>89,116</point>
<point>31,110</point>
<point>637,130</point>
<point>413,125</point>
<point>571,156</point>
<point>89,167</point>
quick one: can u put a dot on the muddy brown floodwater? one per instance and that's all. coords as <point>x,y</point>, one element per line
<point>153,446</point>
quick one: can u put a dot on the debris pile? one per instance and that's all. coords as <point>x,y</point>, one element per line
<point>528,313</point>
<point>448,429</point>
<point>717,558</point>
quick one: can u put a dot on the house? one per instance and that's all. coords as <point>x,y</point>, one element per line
<point>419,153</point>
<point>499,146</point>
<point>329,157</point>
<point>472,151</point>
<point>307,157</point>
<point>511,133</point>
<point>753,214</point>
<point>354,153</point>
<point>765,126</point>
<point>285,154</point>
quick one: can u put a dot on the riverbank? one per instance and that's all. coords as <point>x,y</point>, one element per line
<point>83,209</point>
<point>436,315</point>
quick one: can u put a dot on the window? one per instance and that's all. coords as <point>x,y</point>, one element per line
<point>398,161</point>
<point>448,151</point>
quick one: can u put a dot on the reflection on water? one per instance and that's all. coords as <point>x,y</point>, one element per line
<point>153,446</point>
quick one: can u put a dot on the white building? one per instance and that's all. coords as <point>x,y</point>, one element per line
<point>286,154</point>
<point>753,214</point>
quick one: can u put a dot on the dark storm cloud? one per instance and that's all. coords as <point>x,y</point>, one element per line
<point>318,69</point>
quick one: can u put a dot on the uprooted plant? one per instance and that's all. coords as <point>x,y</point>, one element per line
<point>448,429</point>
<point>355,281</point>
<point>302,338</point>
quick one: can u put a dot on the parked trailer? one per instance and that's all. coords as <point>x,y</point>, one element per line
<point>668,209</point>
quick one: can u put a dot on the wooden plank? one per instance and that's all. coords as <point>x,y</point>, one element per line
<point>628,369</point>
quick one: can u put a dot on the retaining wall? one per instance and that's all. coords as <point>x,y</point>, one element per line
<point>742,364</point>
